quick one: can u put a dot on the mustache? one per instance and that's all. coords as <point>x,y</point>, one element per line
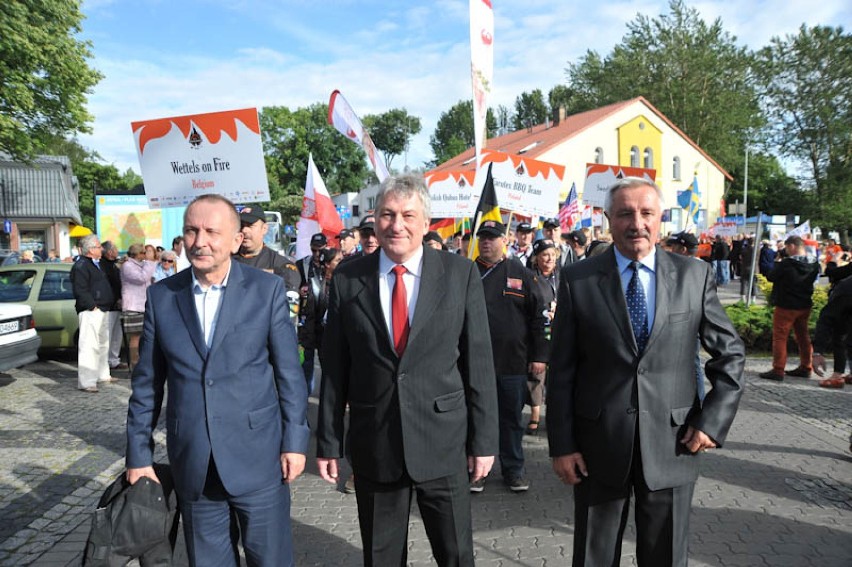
<point>637,233</point>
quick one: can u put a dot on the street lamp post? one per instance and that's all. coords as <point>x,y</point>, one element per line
<point>745,191</point>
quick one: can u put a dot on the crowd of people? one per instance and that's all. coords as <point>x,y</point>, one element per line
<point>432,357</point>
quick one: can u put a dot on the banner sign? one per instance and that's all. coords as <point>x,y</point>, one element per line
<point>724,229</point>
<point>183,157</point>
<point>451,193</point>
<point>523,185</point>
<point>600,177</point>
<point>481,66</point>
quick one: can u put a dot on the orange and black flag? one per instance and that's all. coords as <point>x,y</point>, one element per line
<point>487,209</point>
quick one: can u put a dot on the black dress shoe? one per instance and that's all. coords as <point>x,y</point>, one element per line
<point>770,375</point>
<point>799,373</point>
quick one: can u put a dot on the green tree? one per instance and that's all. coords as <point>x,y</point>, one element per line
<point>289,136</point>
<point>454,132</point>
<point>770,189</point>
<point>530,109</point>
<point>92,178</point>
<point>44,74</point>
<point>391,131</point>
<point>807,89</point>
<point>692,71</point>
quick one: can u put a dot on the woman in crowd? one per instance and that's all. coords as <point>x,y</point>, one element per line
<point>545,261</point>
<point>165,267</point>
<point>150,253</point>
<point>136,274</point>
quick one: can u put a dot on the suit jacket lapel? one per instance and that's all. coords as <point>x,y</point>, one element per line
<point>186,307</point>
<point>429,294</point>
<point>368,296</point>
<point>611,284</point>
<point>666,275</point>
<point>232,298</point>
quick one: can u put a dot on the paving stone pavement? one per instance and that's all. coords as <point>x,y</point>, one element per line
<point>778,493</point>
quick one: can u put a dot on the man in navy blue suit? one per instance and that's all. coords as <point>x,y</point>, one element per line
<point>219,336</point>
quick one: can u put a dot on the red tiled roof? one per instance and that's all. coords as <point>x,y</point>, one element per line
<point>541,138</point>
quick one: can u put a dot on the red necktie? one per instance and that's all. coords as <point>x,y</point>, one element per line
<point>399,311</point>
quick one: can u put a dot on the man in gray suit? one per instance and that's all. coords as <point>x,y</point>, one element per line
<point>407,347</point>
<point>623,415</point>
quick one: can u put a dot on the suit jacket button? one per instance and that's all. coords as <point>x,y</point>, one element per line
<point>210,382</point>
<point>631,410</point>
<point>641,371</point>
<point>401,376</point>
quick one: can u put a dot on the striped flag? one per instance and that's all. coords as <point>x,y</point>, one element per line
<point>569,211</point>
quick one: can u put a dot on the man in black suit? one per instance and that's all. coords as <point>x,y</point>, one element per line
<point>407,347</point>
<point>623,414</point>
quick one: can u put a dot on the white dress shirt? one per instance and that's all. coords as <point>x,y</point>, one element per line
<point>411,279</point>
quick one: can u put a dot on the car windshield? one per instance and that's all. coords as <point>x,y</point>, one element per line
<point>16,285</point>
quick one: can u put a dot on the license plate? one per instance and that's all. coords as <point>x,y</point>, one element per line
<point>9,327</point>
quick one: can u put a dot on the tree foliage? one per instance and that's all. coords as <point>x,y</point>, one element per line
<point>530,109</point>
<point>289,136</point>
<point>807,89</point>
<point>44,74</point>
<point>770,189</point>
<point>391,131</point>
<point>693,72</point>
<point>94,177</point>
<point>454,132</point>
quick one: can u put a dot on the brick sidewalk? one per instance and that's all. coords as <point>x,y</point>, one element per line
<point>778,493</point>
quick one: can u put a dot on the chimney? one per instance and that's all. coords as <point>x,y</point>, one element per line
<point>555,113</point>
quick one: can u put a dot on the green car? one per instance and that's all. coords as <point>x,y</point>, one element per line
<point>45,287</point>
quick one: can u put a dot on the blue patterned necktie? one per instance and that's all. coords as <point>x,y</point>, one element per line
<point>638,308</point>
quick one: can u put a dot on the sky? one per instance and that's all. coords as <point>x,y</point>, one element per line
<point>165,58</point>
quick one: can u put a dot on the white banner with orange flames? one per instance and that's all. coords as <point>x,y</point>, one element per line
<point>451,193</point>
<point>183,157</point>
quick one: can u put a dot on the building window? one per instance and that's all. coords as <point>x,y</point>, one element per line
<point>676,168</point>
<point>371,203</point>
<point>634,156</point>
<point>599,158</point>
<point>648,158</point>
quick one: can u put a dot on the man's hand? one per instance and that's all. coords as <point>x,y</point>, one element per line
<point>819,364</point>
<point>696,440</point>
<point>292,465</point>
<point>133,475</point>
<point>327,469</point>
<point>479,467</point>
<point>537,367</point>
<point>567,468</point>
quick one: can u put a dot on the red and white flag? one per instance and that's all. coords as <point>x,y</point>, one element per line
<point>345,121</point>
<point>481,66</point>
<point>318,212</point>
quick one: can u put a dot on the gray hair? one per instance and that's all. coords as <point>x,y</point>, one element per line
<point>135,249</point>
<point>168,255</point>
<point>88,242</point>
<point>405,186</point>
<point>216,198</point>
<point>631,183</point>
<point>108,245</point>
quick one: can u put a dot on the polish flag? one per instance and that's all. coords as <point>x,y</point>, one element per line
<point>318,212</point>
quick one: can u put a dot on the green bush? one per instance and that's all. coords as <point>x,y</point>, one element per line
<point>754,323</point>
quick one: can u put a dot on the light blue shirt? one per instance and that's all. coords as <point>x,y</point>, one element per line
<point>647,276</point>
<point>207,302</point>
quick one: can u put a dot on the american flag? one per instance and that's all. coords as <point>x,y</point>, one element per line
<point>569,211</point>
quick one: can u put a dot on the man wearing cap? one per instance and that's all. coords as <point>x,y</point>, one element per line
<point>312,273</point>
<point>253,252</point>
<point>369,242</point>
<point>522,249</point>
<point>434,240</point>
<point>406,348</point>
<point>552,230</point>
<point>348,245</point>
<point>516,322</point>
<point>577,243</point>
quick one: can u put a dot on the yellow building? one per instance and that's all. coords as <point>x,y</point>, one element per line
<point>632,133</point>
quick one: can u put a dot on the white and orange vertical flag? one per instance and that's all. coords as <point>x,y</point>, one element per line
<point>481,66</point>
<point>345,121</point>
<point>318,212</point>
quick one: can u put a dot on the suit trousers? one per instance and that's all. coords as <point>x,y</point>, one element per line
<point>213,524</point>
<point>93,348</point>
<point>115,338</point>
<point>383,513</point>
<point>662,520</point>
<point>782,321</point>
